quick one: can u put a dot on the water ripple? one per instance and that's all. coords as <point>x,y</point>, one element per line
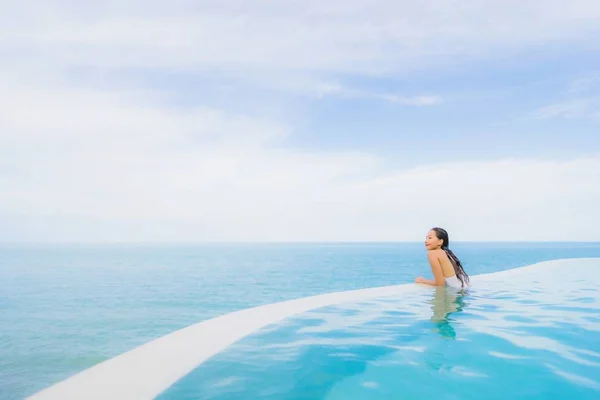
<point>523,337</point>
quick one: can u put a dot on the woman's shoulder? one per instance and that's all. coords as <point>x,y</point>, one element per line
<point>438,253</point>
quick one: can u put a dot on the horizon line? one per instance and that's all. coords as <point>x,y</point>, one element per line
<point>283,242</point>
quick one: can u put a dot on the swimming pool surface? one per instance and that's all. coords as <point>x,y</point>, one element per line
<point>530,334</point>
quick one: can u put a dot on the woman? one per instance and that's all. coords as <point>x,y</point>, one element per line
<point>446,267</point>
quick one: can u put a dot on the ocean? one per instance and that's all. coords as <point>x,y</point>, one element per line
<point>65,308</point>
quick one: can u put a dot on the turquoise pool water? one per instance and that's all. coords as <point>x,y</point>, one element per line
<point>64,309</point>
<point>531,336</point>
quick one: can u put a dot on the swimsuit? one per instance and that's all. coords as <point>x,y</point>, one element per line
<point>454,282</point>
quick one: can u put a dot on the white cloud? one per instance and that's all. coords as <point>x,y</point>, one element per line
<point>357,36</point>
<point>338,89</point>
<point>106,159</point>
<point>46,115</point>
<point>585,83</point>
<point>581,100</point>
<point>571,109</point>
<point>308,47</point>
<point>163,175</point>
<point>416,101</point>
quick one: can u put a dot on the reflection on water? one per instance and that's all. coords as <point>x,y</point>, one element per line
<point>445,302</point>
<point>525,336</point>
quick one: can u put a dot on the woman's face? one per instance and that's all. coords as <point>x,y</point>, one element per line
<point>432,242</point>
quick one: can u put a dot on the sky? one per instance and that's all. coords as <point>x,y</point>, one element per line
<point>354,120</point>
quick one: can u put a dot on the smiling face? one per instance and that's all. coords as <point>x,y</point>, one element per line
<point>432,242</point>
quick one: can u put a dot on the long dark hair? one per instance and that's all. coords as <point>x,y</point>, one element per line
<point>458,268</point>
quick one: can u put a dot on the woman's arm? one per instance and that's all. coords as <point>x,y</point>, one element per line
<point>436,268</point>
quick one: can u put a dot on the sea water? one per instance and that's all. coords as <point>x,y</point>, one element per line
<point>66,308</point>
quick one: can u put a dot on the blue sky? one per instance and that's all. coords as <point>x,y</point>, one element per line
<point>359,120</point>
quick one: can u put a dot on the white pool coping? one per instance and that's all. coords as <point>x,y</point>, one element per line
<point>148,370</point>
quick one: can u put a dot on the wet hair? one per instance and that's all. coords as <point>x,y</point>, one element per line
<point>458,268</point>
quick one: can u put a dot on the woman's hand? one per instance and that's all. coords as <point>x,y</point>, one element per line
<point>420,279</point>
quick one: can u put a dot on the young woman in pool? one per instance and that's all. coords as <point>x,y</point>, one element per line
<point>446,267</point>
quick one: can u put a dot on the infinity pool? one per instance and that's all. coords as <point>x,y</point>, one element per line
<point>524,334</point>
